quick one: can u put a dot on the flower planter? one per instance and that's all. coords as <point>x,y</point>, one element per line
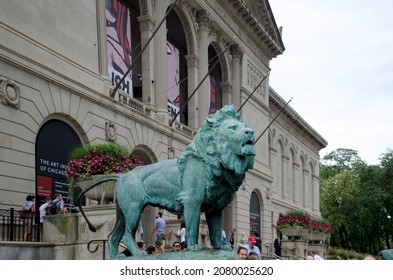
<point>317,236</point>
<point>295,233</point>
<point>103,193</point>
<point>95,161</point>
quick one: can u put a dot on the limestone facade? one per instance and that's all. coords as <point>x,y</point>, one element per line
<point>53,67</point>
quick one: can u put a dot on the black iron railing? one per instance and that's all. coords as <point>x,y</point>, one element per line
<point>15,228</point>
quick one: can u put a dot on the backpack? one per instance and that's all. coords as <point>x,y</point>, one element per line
<point>53,207</point>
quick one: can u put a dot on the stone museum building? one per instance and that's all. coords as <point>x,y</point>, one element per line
<point>145,74</point>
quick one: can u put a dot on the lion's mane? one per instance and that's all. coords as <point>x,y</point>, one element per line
<point>204,148</point>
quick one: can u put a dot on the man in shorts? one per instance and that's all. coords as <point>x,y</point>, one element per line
<point>160,230</point>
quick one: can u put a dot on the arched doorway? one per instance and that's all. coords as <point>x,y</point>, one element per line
<point>55,141</point>
<point>255,214</point>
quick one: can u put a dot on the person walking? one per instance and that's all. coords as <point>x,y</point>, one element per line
<point>223,237</point>
<point>160,230</point>
<point>243,240</point>
<point>28,205</point>
<point>232,237</point>
<point>44,210</point>
<point>259,241</point>
<point>58,205</point>
<point>277,247</point>
<point>27,213</point>
<point>182,234</point>
<point>251,246</point>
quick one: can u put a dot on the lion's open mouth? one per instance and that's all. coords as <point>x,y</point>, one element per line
<point>248,148</point>
<point>248,143</point>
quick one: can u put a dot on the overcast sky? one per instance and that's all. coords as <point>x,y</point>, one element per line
<point>338,67</point>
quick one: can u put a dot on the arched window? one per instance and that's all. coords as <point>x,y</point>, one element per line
<point>176,67</point>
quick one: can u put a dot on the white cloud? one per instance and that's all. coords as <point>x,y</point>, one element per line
<point>338,67</point>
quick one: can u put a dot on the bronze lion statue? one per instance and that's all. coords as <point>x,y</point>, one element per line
<point>204,178</point>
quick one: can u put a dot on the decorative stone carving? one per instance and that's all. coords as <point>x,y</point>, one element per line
<point>254,77</point>
<point>203,18</point>
<point>110,131</point>
<point>171,153</point>
<point>236,51</point>
<point>192,60</point>
<point>9,92</point>
<point>146,23</point>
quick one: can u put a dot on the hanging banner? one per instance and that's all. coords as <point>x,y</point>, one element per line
<point>173,77</point>
<point>118,33</point>
<point>212,95</point>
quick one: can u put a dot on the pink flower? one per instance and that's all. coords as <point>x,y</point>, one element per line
<point>97,163</point>
<point>302,221</point>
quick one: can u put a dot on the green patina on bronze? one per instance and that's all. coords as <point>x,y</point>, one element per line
<point>204,178</point>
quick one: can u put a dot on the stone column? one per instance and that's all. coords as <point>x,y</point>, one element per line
<point>160,66</point>
<point>237,53</point>
<point>147,29</point>
<point>102,48</point>
<point>226,88</point>
<point>202,96</point>
<point>192,83</point>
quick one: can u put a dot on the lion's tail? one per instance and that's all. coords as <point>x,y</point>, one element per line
<point>113,177</point>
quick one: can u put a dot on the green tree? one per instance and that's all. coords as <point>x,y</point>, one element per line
<point>356,199</point>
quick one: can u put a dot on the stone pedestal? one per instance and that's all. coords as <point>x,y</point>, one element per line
<point>70,233</point>
<point>294,248</point>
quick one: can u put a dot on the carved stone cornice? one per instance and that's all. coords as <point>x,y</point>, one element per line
<point>9,92</point>
<point>258,15</point>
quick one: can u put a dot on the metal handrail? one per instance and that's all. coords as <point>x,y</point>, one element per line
<point>272,256</point>
<point>97,246</point>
